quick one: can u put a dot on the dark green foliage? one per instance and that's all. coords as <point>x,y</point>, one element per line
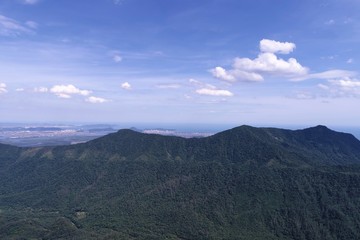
<point>244,183</point>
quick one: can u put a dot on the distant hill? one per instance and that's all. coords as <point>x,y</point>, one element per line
<point>243,183</point>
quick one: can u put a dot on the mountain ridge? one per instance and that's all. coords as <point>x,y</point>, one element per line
<point>243,183</point>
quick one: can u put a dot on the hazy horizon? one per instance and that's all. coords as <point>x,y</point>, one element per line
<point>184,127</point>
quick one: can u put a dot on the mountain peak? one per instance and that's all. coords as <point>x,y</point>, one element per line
<point>321,127</point>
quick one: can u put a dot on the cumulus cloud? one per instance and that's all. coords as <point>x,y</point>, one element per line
<point>271,46</point>
<point>93,99</point>
<point>221,73</point>
<point>208,89</point>
<point>10,27</point>
<point>65,91</point>
<point>235,74</point>
<point>269,63</point>
<point>126,86</point>
<point>3,88</point>
<point>266,63</point>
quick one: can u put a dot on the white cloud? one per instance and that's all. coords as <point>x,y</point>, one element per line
<point>126,86</point>
<point>10,27</point>
<point>93,99</point>
<point>269,63</point>
<point>271,46</point>
<point>214,92</point>
<point>65,91</point>
<point>168,86</point>
<point>266,63</point>
<point>32,24</point>
<point>350,60</point>
<point>3,88</point>
<point>117,58</point>
<point>20,89</point>
<point>30,2</point>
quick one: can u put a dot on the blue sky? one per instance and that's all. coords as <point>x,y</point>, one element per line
<point>265,62</point>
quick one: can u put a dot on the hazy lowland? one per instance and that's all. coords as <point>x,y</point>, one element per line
<point>242,183</point>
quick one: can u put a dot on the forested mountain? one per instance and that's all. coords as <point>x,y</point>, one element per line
<point>243,183</point>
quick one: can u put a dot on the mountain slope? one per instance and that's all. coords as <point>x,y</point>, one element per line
<point>244,183</point>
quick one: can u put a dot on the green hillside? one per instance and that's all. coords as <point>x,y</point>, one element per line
<point>243,183</point>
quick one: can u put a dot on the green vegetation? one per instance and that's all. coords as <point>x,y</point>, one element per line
<point>244,183</point>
